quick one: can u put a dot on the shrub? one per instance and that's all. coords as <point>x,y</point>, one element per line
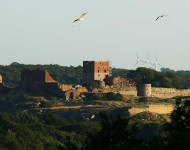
<point>45,104</point>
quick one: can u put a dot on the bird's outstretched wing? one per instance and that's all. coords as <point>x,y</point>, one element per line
<point>83,15</point>
<point>74,22</point>
<point>157,18</point>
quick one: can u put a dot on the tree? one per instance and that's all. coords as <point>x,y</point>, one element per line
<point>178,129</point>
<point>114,135</point>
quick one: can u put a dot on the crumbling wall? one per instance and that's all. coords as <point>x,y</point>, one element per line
<point>82,89</point>
<point>1,79</point>
<point>123,84</point>
<point>129,93</point>
<point>160,109</point>
<point>37,80</point>
<point>169,92</point>
<point>72,94</point>
<point>65,87</point>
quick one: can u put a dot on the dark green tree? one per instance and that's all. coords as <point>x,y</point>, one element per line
<point>178,129</point>
<point>114,135</point>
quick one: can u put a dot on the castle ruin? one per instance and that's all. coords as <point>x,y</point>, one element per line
<point>95,70</point>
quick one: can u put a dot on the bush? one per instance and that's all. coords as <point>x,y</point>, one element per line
<point>23,98</point>
<point>91,85</point>
<point>45,104</point>
<point>143,100</point>
<point>113,96</point>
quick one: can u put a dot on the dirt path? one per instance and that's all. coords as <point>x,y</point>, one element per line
<point>71,107</point>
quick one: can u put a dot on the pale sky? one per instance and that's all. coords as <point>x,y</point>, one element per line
<point>41,32</point>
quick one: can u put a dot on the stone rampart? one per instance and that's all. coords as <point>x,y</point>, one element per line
<point>129,93</point>
<point>159,109</point>
<point>169,92</point>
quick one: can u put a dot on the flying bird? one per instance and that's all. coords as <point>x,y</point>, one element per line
<point>160,16</point>
<point>81,18</point>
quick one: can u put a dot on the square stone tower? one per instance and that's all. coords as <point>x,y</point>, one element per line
<point>95,70</point>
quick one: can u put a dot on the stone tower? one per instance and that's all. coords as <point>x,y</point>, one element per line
<point>144,90</point>
<point>95,70</point>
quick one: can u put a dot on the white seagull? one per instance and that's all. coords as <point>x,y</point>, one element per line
<point>160,16</point>
<point>81,18</point>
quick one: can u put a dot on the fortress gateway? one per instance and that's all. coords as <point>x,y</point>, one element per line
<point>96,70</point>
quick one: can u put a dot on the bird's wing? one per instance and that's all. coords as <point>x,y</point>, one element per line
<point>157,18</point>
<point>74,22</point>
<point>83,15</point>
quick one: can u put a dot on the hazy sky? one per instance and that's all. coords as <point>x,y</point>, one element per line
<point>40,32</point>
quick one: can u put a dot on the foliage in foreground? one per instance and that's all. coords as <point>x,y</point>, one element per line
<point>42,132</point>
<point>48,131</point>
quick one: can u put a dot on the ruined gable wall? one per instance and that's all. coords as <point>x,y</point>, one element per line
<point>48,78</point>
<point>37,80</point>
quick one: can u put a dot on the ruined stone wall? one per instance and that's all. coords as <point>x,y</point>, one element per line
<point>37,80</point>
<point>1,79</point>
<point>82,89</point>
<point>123,84</point>
<point>72,94</point>
<point>169,92</point>
<point>129,93</point>
<point>65,87</point>
<point>160,109</point>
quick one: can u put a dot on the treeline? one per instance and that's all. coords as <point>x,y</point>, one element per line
<point>184,74</point>
<point>74,75</point>
<point>63,74</point>
<point>50,132</point>
<point>157,79</point>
